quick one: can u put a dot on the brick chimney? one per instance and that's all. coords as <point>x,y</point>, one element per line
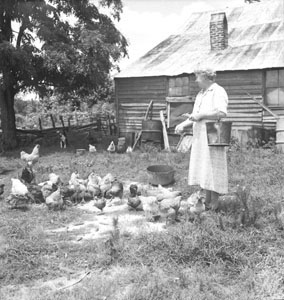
<point>218,31</point>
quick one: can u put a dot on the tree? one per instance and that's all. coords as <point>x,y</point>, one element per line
<point>69,58</point>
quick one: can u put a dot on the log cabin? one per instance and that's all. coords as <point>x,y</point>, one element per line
<point>245,45</point>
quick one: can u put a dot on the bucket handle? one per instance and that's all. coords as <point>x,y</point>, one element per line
<point>219,117</point>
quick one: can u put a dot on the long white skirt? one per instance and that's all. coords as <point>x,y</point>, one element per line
<point>208,165</point>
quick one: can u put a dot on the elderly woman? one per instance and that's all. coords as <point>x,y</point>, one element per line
<point>208,165</point>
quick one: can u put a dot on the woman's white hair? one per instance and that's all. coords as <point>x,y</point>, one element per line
<point>208,73</point>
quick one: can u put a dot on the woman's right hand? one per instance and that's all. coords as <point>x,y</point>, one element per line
<point>180,128</point>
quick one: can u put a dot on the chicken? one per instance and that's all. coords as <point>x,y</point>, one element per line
<point>55,201</point>
<point>129,149</point>
<point>92,148</point>
<point>36,193</point>
<point>54,179</point>
<point>81,196</point>
<point>31,158</point>
<point>106,184</point>
<point>134,190</point>
<point>151,207</point>
<point>18,188</point>
<point>76,181</point>
<point>66,192</point>
<point>198,208</point>
<point>167,206</point>
<point>93,184</point>
<point>111,147</point>
<point>134,203</point>
<point>109,177</point>
<point>116,190</point>
<point>100,203</point>
<point>27,174</point>
<point>163,193</point>
<point>17,201</point>
<point>2,185</point>
<point>193,198</point>
<point>48,189</point>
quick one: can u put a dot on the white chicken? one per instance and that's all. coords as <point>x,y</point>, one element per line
<point>31,158</point>
<point>151,207</point>
<point>106,183</point>
<point>170,207</point>
<point>92,148</point>
<point>76,182</point>
<point>93,185</point>
<point>129,149</point>
<point>18,188</point>
<point>199,208</point>
<point>111,147</point>
<point>196,204</point>
<point>55,200</point>
<point>47,189</point>
<point>53,179</point>
<point>109,177</point>
<point>94,179</point>
<point>163,193</point>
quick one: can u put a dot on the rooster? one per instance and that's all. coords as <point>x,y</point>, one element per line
<point>31,158</point>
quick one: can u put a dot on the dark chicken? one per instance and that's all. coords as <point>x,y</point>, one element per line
<point>27,175</point>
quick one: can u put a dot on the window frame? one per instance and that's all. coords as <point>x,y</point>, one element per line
<point>279,87</point>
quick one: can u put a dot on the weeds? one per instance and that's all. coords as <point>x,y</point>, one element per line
<point>210,260</point>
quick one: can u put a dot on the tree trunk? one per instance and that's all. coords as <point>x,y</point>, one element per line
<point>8,121</point>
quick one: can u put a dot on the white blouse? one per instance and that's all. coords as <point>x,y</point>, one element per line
<point>214,98</point>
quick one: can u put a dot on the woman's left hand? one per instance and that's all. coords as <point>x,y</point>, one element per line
<point>196,117</point>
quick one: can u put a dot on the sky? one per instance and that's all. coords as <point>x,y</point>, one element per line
<point>145,23</point>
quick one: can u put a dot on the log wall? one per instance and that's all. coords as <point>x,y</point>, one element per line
<point>132,98</point>
<point>134,94</point>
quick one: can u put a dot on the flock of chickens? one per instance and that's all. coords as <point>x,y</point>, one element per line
<point>156,202</point>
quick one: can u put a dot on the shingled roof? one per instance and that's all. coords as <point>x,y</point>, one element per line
<point>256,41</point>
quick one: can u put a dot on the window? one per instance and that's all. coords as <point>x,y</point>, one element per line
<point>274,91</point>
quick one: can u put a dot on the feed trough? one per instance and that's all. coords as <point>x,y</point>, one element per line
<point>160,174</point>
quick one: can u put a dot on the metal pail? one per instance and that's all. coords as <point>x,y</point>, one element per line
<point>219,133</point>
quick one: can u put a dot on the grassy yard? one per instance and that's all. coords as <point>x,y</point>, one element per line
<point>185,261</point>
